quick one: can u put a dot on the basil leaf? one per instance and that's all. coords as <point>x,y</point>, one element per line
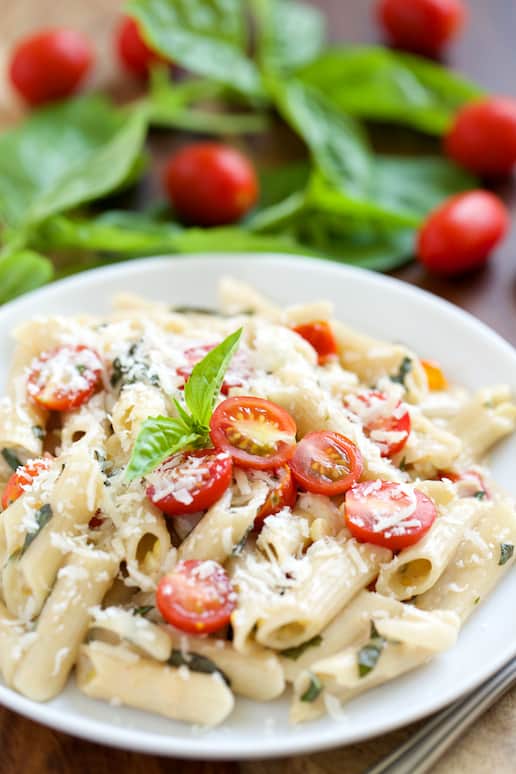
<point>480,494</point>
<point>196,663</point>
<point>158,439</point>
<point>314,689</point>
<point>382,85</point>
<point>208,38</point>
<point>21,272</point>
<point>42,516</point>
<point>404,369</point>
<point>239,547</point>
<point>11,459</point>
<point>290,34</point>
<point>295,653</point>
<point>368,655</point>
<point>143,610</point>
<point>506,552</point>
<point>203,386</point>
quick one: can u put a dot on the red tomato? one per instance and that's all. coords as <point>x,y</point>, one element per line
<point>388,514</point>
<point>459,235</point>
<point>469,484</point>
<point>388,427</point>
<point>23,478</point>
<point>237,370</point>
<point>190,481</point>
<point>63,379</point>
<point>282,495</point>
<point>210,184</point>
<point>422,26</point>
<point>133,53</point>
<point>483,136</point>
<point>50,65</point>
<point>257,433</point>
<point>326,463</point>
<point>320,335</point>
<point>196,597</point>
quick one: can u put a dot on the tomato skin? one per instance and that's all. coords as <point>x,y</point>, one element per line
<point>470,483</point>
<point>210,184</point>
<point>320,335</point>
<point>21,478</point>
<point>434,375</point>
<point>193,602</point>
<point>483,136</point>
<point>459,235</point>
<point>134,54</point>
<point>50,65</point>
<point>214,472</point>
<point>284,495</point>
<point>421,26</point>
<point>63,398</point>
<point>258,411</point>
<point>318,450</point>
<point>360,504</point>
<point>386,423</point>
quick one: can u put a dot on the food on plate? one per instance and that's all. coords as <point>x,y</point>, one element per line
<point>460,234</point>
<point>422,26</point>
<point>133,52</point>
<point>199,505</point>
<point>50,65</point>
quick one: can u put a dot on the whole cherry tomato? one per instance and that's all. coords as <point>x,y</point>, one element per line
<point>422,26</point>
<point>133,53</point>
<point>50,65</point>
<point>459,235</point>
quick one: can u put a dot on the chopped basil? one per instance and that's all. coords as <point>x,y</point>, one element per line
<point>193,310</point>
<point>131,369</point>
<point>476,600</point>
<point>295,653</point>
<point>81,368</point>
<point>11,458</point>
<point>506,551</point>
<point>42,516</point>
<point>239,547</point>
<point>196,663</point>
<point>480,494</point>
<point>38,431</point>
<point>101,459</point>
<point>369,654</point>
<point>404,369</point>
<point>403,464</point>
<point>143,610</point>
<point>314,689</point>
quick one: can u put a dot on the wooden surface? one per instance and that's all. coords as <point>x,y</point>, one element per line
<point>486,53</point>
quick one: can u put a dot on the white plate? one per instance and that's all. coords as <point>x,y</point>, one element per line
<point>469,352</point>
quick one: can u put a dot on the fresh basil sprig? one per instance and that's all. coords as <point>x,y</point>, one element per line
<point>160,437</point>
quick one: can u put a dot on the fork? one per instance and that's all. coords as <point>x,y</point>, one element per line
<point>422,750</point>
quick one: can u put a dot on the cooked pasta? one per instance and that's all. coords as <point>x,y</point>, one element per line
<point>202,504</point>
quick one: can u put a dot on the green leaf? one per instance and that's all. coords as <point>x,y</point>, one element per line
<point>42,517</point>
<point>290,34</point>
<point>11,458</point>
<point>143,610</point>
<point>196,663</point>
<point>506,552</point>
<point>64,155</point>
<point>405,368</point>
<point>314,689</point>
<point>205,37</point>
<point>158,439</point>
<point>203,386</point>
<point>382,85</point>
<point>480,494</point>
<point>21,272</point>
<point>295,653</point>
<point>368,655</point>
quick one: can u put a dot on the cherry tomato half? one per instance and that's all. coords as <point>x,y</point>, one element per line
<point>283,494</point>
<point>50,65</point>
<point>483,136</point>
<point>422,26</point>
<point>469,483</point>
<point>22,478</point>
<point>190,481</point>
<point>320,335</point>
<point>210,184</point>
<point>388,514</point>
<point>196,597</point>
<point>434,375</point>
<point>63,379</point>
<point>133,53</point>
<point>326,463</point>
<point>459,235</point>
<point>256,432</point>
<point>237,371</point>
<point>388,427</point>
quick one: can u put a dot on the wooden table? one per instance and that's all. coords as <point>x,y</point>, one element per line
<point>486,53</point>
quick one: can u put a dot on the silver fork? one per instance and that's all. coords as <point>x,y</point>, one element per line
<point>422,750</point>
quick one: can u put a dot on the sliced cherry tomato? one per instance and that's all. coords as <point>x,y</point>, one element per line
<point>22,478</point>
<point>210,184</point>
<point>133,53</point>
<point>256,432</point>
<point>422,26</point>
<point>326,463</point>
<point>97,520</point>
<point>63,379</point>
<point>50,65</point>
<point>459,235</point>
<point>434,375</point>
<point>237,371</point>
<point>282,495</point>
<point>320,335</point>
<point>388,427</point>
<point>483,136</point>
<point>388,514</point>
<point>469,483</point>
<point>190,481</point>
<point>196,597</point>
